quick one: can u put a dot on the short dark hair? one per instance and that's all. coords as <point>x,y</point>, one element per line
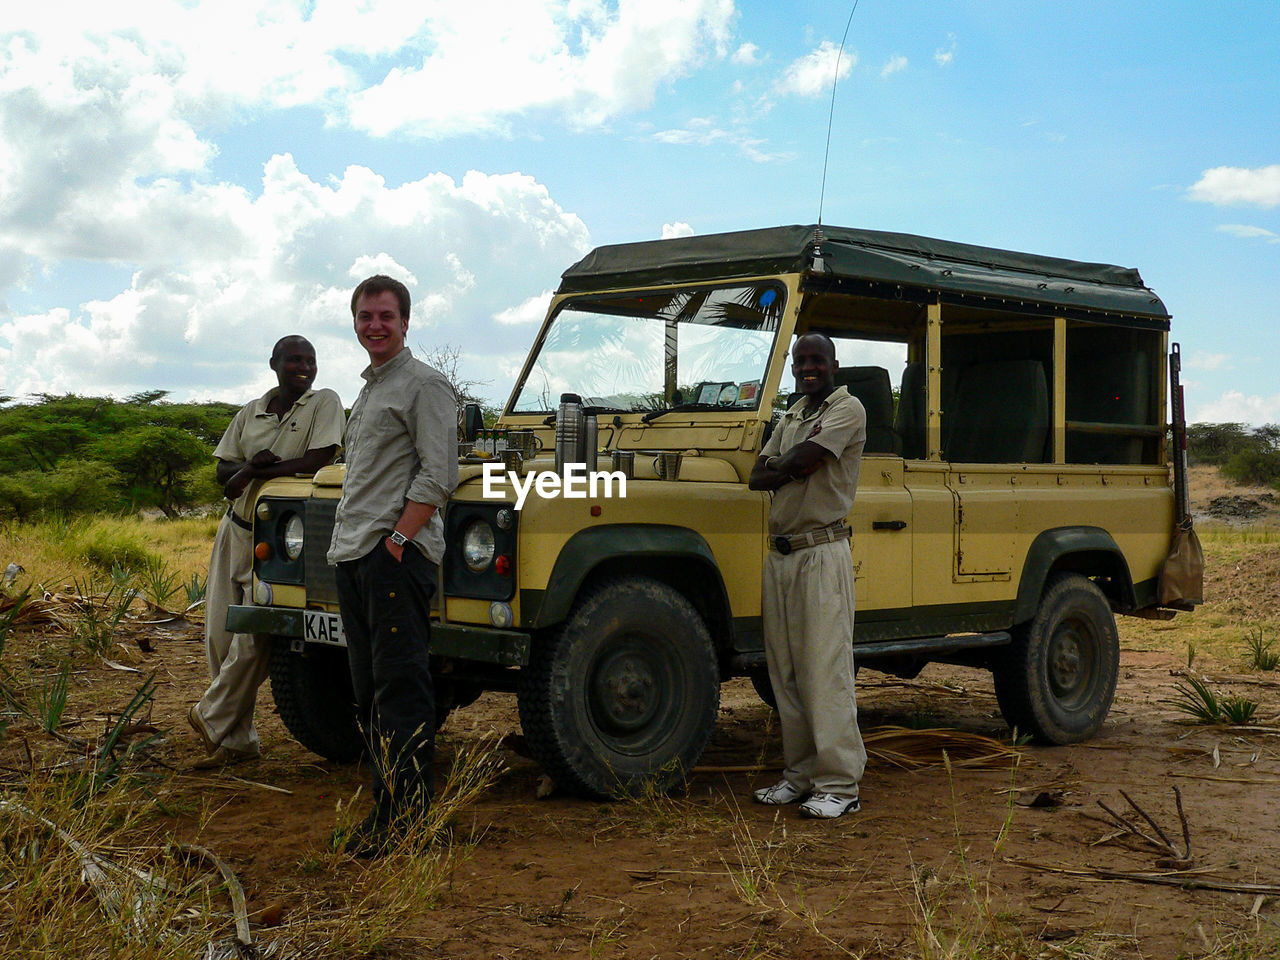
<point>280,344</point>
<point>831,344</point>
<point>380,283</point>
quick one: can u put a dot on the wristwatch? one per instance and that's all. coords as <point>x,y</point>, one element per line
<point>398,538</point>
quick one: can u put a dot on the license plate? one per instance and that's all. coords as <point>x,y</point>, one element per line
<point>319,626</point>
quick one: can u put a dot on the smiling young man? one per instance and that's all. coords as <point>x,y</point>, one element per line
<point>811,463</point>
<point>290,429</point>
<point>388,541</point>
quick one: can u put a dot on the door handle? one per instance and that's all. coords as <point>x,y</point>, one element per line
<point>888,524</point>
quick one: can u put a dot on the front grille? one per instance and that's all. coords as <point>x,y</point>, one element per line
<point>322,584</point>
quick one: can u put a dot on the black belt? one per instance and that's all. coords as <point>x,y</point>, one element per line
<point>239,521</point>
<point>811,538</point>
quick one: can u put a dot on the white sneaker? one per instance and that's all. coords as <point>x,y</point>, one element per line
<point>828,806</point>
<point>780,794</point>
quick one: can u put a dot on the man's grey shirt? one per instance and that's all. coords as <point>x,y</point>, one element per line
<point>402,444</point>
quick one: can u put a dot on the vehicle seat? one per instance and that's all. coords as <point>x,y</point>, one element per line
<point>871,386</point>
<point>909,419</point>
<point>1000,413</point>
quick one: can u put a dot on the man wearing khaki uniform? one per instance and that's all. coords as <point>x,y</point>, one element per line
<point>290,429</point>
<point>811,464</point>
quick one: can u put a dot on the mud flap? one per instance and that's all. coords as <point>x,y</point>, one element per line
<point>1182,576</point>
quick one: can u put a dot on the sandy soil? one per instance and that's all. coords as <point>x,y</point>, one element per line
<point>710,874</point>
<point>563,876</point>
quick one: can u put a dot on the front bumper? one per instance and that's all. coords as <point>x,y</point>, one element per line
<point>508,648</point>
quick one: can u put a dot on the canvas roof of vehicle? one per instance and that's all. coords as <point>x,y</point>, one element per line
<point>879,263</point>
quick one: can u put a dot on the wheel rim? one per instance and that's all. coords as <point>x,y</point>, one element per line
<point>1072,663</point>
<point>630,698</point>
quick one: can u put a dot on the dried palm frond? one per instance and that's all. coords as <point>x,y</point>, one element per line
<point>912,749</point>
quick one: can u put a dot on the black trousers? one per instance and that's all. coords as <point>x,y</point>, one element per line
<point>386,611</point>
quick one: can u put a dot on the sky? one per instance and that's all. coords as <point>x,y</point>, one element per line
<point>182,183</point>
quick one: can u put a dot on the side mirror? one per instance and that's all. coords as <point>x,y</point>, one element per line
<point>472,421</point>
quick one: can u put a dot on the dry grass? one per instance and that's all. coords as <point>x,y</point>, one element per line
<point>57,552</point>
<point>47,909</point>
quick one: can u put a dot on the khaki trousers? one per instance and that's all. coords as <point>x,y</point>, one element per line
<point>808,605</point>
<point>237,661</point>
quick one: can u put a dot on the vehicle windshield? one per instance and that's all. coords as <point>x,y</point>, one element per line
<point>701,347</point>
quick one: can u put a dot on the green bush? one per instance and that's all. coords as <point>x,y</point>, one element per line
<point>1243,454</point>
<point>109,546</point>
<point>74,487</point>
<point>1253,466</point>
<point>156,454</point>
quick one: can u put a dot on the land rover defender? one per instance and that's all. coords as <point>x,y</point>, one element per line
<point>1016,493</point>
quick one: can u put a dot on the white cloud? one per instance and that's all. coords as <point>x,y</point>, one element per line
<point>812,74</point>
<point>530,311</point>
<point>703,132</point>
<point>747,55</point>
<point>1235,407</point>
<point>201,321</point>
<point>893,66</point>
<point>588,63</point>
<point>103,125</point>
<point>1225,186</point>
<point>678,229</point>
<point>1207,361</point>
<point>1246,232</point>
<point>945,56</point>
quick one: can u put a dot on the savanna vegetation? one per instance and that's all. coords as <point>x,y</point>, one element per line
<point>77,455</point>
<point>108,848</point>
<point>1242,453</point>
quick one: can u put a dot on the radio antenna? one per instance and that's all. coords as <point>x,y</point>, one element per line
<point>822,196</point>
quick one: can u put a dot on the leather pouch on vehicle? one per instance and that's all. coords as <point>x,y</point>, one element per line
<point>1182,577</point>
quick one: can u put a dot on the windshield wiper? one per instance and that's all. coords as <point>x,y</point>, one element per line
<point>655,414</point>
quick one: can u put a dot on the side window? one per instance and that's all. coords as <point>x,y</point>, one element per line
<point>996,403</point>
<point>873,371</point>
<point>1114,378</point>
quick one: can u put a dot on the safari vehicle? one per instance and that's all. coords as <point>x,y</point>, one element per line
<point>1015,494</point>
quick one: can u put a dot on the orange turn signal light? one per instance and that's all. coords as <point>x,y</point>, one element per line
<point>262,551</point>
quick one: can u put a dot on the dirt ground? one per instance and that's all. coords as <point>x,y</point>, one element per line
<point>1016,855</point>
<point>656,878</point>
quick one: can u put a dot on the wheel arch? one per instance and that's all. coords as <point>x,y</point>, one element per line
<point>677,556</point>
<point>1089,551</point>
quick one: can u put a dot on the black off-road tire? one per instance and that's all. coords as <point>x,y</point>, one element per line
<point>313,694</point>
<point>758,674</point>
<point>623,698</point>
<point>759,677</point>
<point>1056,680</point>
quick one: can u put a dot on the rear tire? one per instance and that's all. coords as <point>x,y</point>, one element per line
<point>313,694</point>
<point>1057,679</point>
<point>759,677</point>
<point>624,697</point>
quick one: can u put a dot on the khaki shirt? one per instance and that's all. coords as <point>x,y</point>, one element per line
<point>839,424</point>
<point>402,444</point>
<point>314,421</point>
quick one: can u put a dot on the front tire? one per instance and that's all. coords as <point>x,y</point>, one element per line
<point>313,694</point>
<point>623,698</point>
<point>1057,679</point>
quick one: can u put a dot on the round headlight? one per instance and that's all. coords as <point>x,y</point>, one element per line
<point>477,546</point>
<point>293,536</point>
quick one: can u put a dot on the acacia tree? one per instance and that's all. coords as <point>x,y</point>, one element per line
<point>72,453</point>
